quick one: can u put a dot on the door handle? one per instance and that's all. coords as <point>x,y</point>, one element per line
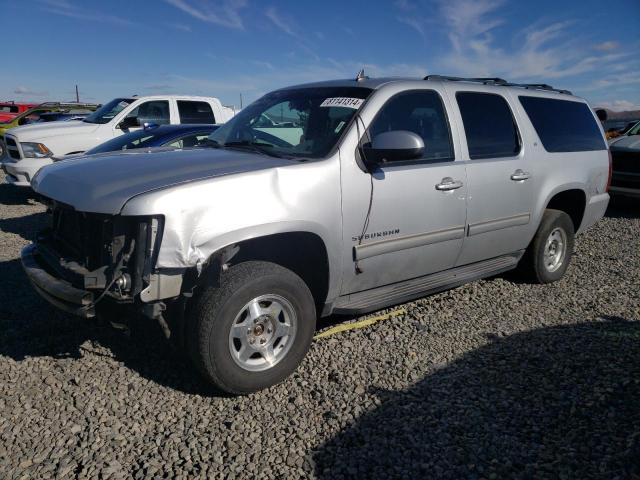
<point>447,184</point>
<point>520,175</point>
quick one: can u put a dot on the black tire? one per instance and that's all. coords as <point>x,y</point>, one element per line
<point>214,312</point>
<point>533,264</point>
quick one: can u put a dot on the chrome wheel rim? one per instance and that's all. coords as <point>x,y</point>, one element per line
<point>555,250</point>
<point>262,332</point>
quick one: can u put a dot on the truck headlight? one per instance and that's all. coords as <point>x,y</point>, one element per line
<point>35,150</point>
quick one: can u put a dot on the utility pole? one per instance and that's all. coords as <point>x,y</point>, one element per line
<point>77,95</point>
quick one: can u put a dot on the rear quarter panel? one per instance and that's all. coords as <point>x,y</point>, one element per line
<point>555,172</point>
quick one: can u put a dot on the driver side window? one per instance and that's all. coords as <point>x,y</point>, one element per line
<point>421,112</point>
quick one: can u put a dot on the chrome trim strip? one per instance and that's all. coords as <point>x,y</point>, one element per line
<point>380,297</point>
<point>499,224</point>
<point>409,241</point>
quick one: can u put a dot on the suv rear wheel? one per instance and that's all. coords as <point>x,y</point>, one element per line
<point>548,256</point>
<point>254,329</point>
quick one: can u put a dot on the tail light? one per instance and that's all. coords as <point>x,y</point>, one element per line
<point>610,170</point>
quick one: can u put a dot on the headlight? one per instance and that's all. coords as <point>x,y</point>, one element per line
<point>35,150</point>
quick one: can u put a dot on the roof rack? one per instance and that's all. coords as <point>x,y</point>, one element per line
<point>67,104</point>
<point>499,81</point>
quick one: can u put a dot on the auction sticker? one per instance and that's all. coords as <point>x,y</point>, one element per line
<point>346,102</point>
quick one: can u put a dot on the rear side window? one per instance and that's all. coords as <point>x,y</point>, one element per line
<point>489,125</point>
<point>563,125</point>
<point>195,112</point>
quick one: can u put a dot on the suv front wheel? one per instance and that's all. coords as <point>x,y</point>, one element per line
<point>252,330</point>
<point>548,256</point>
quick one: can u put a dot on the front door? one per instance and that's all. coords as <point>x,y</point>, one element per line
<point>416,222</point>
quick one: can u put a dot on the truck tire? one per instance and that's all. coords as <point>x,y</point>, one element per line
<point>549,253</point>
<point>253,330</point>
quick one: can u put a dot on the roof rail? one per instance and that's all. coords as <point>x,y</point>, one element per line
<point>485,80</point>
<point>499,81</point>
<point>541,86</point>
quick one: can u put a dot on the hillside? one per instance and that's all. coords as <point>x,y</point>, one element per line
<point>626,115</point>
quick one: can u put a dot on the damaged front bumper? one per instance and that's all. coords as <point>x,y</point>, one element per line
<point>56,291</point>
<point>85,259</point>
<point>63,295</point>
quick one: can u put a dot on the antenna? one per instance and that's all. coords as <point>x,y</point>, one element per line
<point>361,76</point>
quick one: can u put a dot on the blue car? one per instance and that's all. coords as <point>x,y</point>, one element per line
<point>62,116</point>
<point>178,136</point>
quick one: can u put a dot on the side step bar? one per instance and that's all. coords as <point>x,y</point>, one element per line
<point>381,297</point>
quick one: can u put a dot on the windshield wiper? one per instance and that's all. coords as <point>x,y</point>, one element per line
<point>257,147</point>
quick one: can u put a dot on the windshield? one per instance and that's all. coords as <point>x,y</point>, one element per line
<point>635,130</point>
<point>108,111</point>
<point>307,122</point>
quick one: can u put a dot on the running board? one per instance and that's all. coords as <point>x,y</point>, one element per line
<point>381,297</point>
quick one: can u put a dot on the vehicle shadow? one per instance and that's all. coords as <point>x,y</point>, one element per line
<point>12,195</point>
<point>32,328</point>
<point>558,402</point>
<point>26,226</point>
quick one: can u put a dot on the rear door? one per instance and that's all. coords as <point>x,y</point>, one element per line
<point>500,174</point>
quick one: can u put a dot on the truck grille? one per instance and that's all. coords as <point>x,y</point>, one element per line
<point>626,161</point>
<point>12,148</point>
<point>83,237</point>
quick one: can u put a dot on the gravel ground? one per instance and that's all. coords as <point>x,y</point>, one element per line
<point>491,380</point>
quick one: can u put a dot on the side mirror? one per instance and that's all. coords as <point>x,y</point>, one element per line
<point>128,122</point>
<point>394,146</point>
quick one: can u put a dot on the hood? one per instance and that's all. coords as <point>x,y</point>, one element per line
<point>41,131</point>
<point>104,183</point>
<point>627,142</point>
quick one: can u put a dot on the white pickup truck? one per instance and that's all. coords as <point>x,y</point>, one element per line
<point>31,147</point>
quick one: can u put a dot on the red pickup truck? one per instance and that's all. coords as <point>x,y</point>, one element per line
<point>9,110</point>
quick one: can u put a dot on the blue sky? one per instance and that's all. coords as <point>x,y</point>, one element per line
<point>226,47</point>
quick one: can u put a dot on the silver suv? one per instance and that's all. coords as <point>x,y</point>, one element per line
<point>339,197</point>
